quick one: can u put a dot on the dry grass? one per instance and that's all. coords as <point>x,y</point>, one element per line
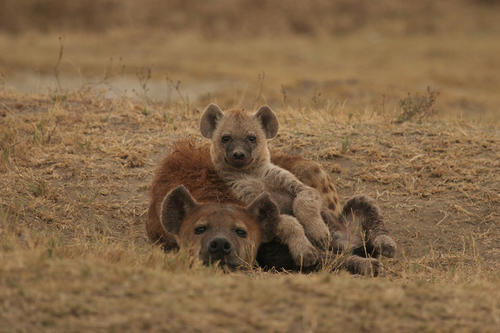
<point>75,177</point>
<point>75,165</point>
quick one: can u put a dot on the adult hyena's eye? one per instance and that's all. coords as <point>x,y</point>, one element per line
<point>200,229</point>
<point>251,138</point>
<point>225,138</point>
<point>240,232</point>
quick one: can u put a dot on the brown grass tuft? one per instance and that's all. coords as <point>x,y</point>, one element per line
<point>418,106</point>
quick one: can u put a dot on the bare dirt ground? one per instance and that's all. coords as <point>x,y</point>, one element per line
<point>76,165</point>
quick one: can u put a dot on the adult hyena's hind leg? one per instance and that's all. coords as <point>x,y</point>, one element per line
<point>363,266</point>
<point>313,175</point>
<point>366,212</point>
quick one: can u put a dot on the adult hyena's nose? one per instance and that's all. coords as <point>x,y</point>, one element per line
<point>238,155</point>
<point>219,247</point>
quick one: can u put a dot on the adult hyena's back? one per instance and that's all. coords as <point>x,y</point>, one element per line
<point>188,164</point>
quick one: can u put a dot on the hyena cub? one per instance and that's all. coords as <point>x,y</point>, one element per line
<point>241,157</point>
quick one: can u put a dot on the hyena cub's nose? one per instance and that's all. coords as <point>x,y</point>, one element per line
<point>239,155</point>
<point>219,247</point>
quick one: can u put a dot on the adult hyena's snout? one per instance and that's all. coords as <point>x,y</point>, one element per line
<point>222,234</point>
<point>219,247</point>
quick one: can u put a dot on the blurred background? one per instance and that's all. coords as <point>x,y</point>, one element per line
<point>359,55</point>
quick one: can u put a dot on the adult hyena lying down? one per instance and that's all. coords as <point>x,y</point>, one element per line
<point>190,165</point>
<point>219,232</point>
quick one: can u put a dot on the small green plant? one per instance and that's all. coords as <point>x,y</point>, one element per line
<point>57,68</point>
<point>40,132</point>
<point>7,146</point>
<point>105,118</point>
<point>39,188</point>
<point>419,106</point>
<point>260,82</point>
<point>167,119</point>
<point>144,76</point>
<point>183,99</point>
<point>2,81</point>
<point>318,101</point>
<point>346,143</point>
<point>84,145</point>
<point>284,95</point>
<point>59,98</point>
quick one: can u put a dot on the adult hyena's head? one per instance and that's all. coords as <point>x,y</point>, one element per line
<point>224,234</point>
<point>239,139</point>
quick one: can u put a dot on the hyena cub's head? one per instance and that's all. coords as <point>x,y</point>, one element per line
<point>239,139</point>
<point>226,234</point>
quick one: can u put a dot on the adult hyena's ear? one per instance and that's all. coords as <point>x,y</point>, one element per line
<point>176,205</point>
<point>267,214</point>
<point>211,116</point>
<point>268,120</point>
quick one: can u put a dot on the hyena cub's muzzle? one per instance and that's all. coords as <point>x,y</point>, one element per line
<point>237,154</point>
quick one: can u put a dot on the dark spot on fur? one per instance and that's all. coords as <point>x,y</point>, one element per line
<point>325,189</point>
<point>331,206</point>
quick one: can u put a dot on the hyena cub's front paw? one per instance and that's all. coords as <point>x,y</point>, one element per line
<point>303,252</point>
<point>384,245</point>
<point>319,234</point>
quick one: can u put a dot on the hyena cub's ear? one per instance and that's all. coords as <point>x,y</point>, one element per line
<point>268,120</point>
<point>267,214</point>
<point>209,119</point>
<point>176,205</point>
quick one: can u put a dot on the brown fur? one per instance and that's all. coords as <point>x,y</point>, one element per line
<point>189,163</point>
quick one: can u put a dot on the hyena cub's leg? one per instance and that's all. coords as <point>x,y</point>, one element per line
<point>367,213</point>
<point>307,209</point>
<point>313,175</point>
<point>291,233</point>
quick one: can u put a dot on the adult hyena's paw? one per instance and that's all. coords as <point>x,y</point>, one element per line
<point>384,245</point>
<point>364,266</point>
<point>304,253</point>
<point>371,266</point>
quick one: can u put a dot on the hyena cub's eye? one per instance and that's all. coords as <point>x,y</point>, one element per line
<point>240,232</point>
<point>200,229</point>
<point>225,138</point>
<point>251,138</point>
